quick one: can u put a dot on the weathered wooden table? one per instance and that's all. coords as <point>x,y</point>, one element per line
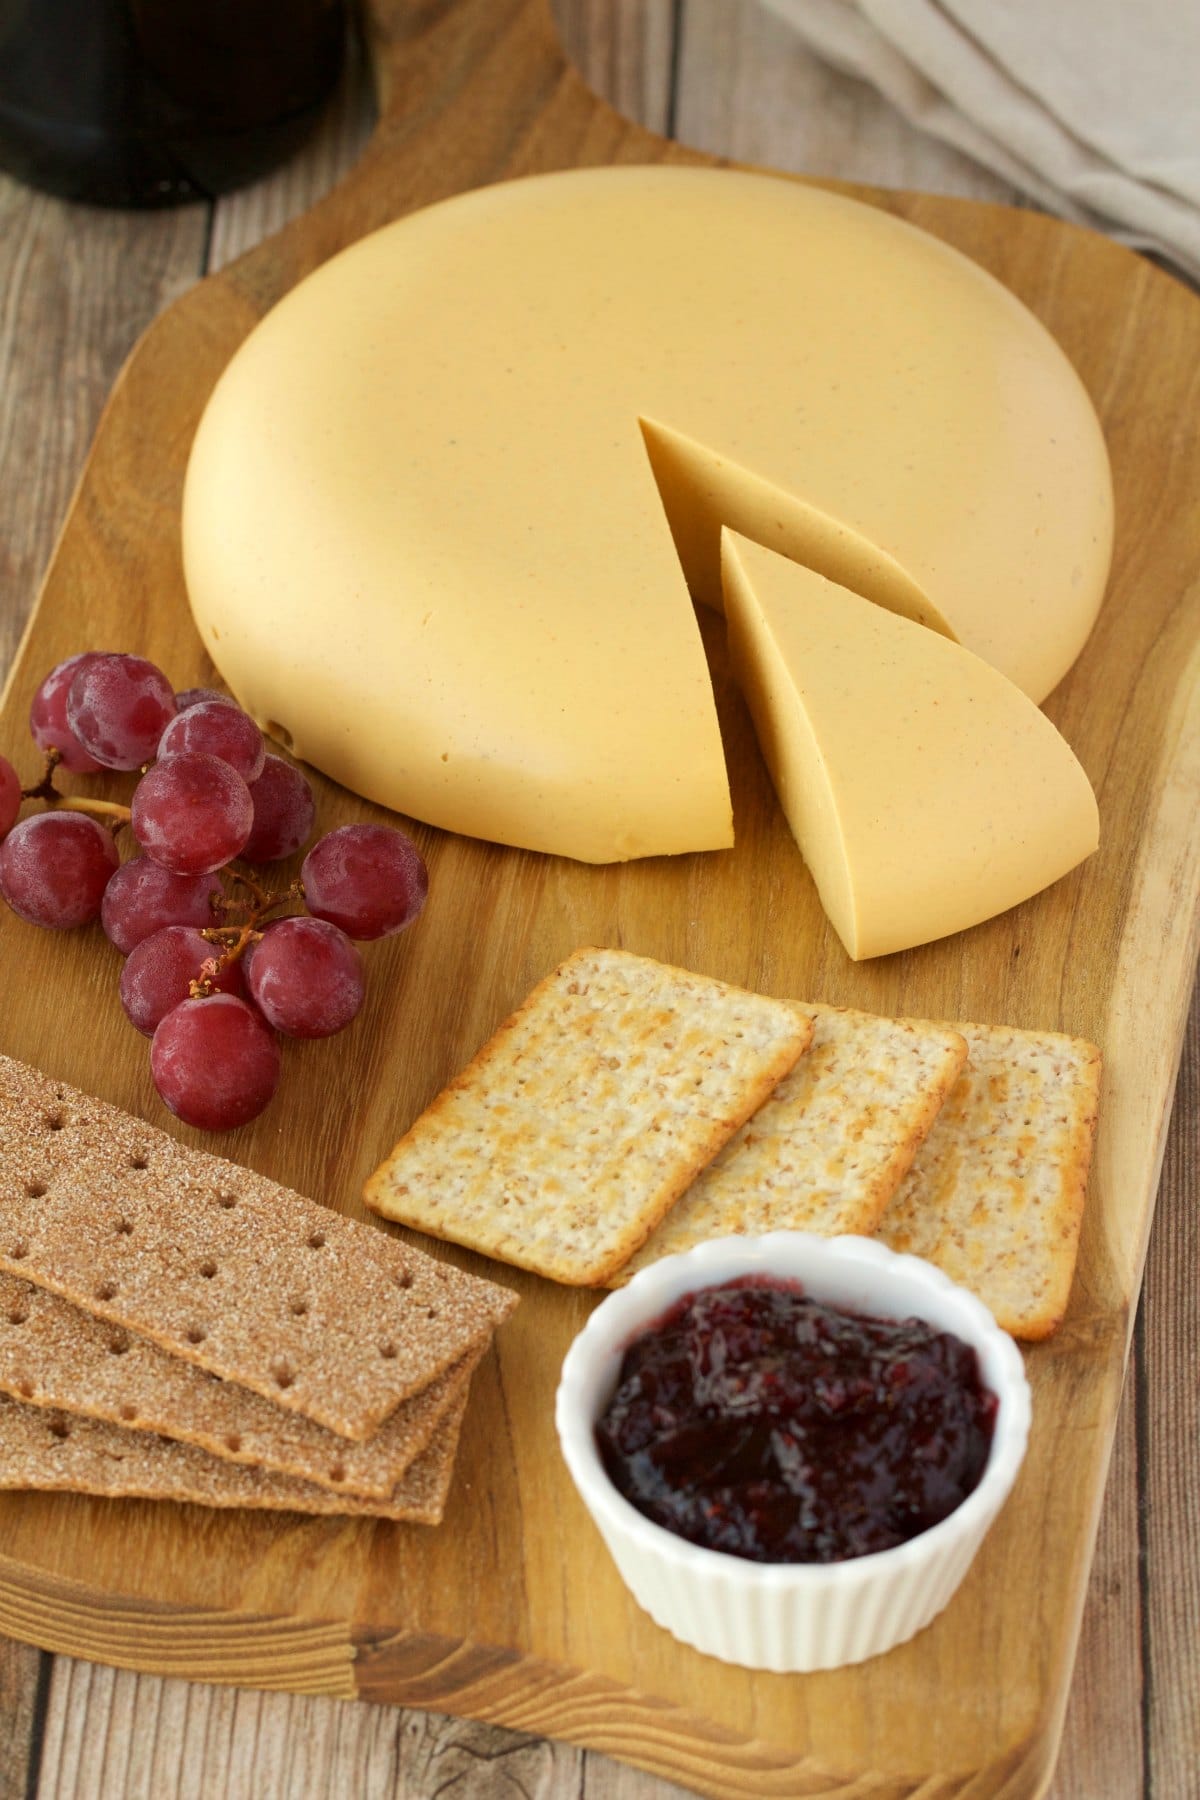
<point>78,288</point>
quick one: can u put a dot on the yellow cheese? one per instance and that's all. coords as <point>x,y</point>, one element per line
<point>423,535</point>
<point>925,790</point>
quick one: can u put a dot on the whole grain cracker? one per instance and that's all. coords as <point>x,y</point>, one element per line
<point>565,1140</point>
<point>995,1195</point>
<point>828,1149</point>
<point>53,1355</point>
<point>65,1453</point>
<point>214,1262</point>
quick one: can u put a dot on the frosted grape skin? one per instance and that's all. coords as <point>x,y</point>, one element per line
<point>187,697</point>
<point>305,977</point>
<point>118,707</point>
<point>10,795</point>
<point>143,897</point>
<point>217,728</point>
<point>158,974</point>
<point>214,1062</point>
<point>192,814</point>
<point>370,880</point>
<point>284,812</point>
<point>48,724</point>
<point>54,868</point>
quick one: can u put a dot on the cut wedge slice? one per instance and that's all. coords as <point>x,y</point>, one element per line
<point>925,791</point>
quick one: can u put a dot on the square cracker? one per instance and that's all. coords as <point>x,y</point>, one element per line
<point>995,1195</point>
<point>62,1453</point>
<point>222,1267</point>
<point>827,1151</point>
<point>563,1143</point>
<point>53,1355</point>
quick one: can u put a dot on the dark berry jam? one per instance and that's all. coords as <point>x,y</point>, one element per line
<point>754,1420</point>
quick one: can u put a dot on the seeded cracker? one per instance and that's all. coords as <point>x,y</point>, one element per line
<point>827,1151</point>
<point>60,1452</point>
<point>53,1355</point>
<point>561,1146</point>
<point>995,1195</point>
<point>213,1262</point>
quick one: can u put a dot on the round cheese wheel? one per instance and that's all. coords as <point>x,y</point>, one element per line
<point>445,506</point>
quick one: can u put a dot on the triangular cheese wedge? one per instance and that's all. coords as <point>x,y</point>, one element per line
<point>925,791</point>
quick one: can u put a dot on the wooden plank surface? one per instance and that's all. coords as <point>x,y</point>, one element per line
<point>79,288</point>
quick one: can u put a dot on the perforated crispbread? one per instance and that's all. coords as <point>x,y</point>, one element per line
<point>64,1453</point>
<point>995,1194</point>
<point>53,1355</point>
<point>323,1315</point>
<point>565,1140</point>
<point>827,1150</point>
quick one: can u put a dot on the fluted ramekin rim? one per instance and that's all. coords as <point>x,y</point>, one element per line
<point>805,1258</point>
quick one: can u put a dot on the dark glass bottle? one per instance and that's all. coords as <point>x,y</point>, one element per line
<point>151,102</point>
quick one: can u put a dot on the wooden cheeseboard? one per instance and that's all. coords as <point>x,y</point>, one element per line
<point>511,1610</point>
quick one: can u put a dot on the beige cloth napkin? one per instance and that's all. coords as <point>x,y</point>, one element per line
<point>1091,107</point>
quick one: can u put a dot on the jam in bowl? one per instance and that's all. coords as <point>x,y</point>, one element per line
<point>757,1420</point>
<point>793,1446</point>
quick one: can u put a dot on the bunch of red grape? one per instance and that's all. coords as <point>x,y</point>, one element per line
<point>212,971</point>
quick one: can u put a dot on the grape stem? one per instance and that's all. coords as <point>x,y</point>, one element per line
<point>211,969</point>
<point>46,790</point>
<point>235,940</point>
<point>104,809</point>
<point>261,896</point>
<point>263,900</point>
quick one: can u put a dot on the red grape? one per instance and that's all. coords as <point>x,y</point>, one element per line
<point>192,813</point>
<point>368,879</point>
<point>48,716</point>
<point>218,728</point>
<point>284,810</point>
<point>10,795</point>
<point>118,707</point>
<point>142,897</point>
<point>214,1062</point>
<point>305,976</point>
<point>159,972</point>
<point>193,697</point>
<point>54,868</point>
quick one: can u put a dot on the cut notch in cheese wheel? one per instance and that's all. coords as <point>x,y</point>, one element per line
<point>424,543</point>
<point>704,494</point>
<point>925,791</point>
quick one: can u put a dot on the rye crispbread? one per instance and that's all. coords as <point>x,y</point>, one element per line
<point>53,1355</point>
<point>323,1315</point>
<point>64,1453</point>
<point>565,1140</point>
<point>828,1149</point>
<point>995,1194</point>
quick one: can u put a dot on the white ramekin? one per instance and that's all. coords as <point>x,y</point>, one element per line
<point>791,1616</point>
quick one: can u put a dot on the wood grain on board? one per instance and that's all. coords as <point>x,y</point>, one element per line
<point>1114,1248</point>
